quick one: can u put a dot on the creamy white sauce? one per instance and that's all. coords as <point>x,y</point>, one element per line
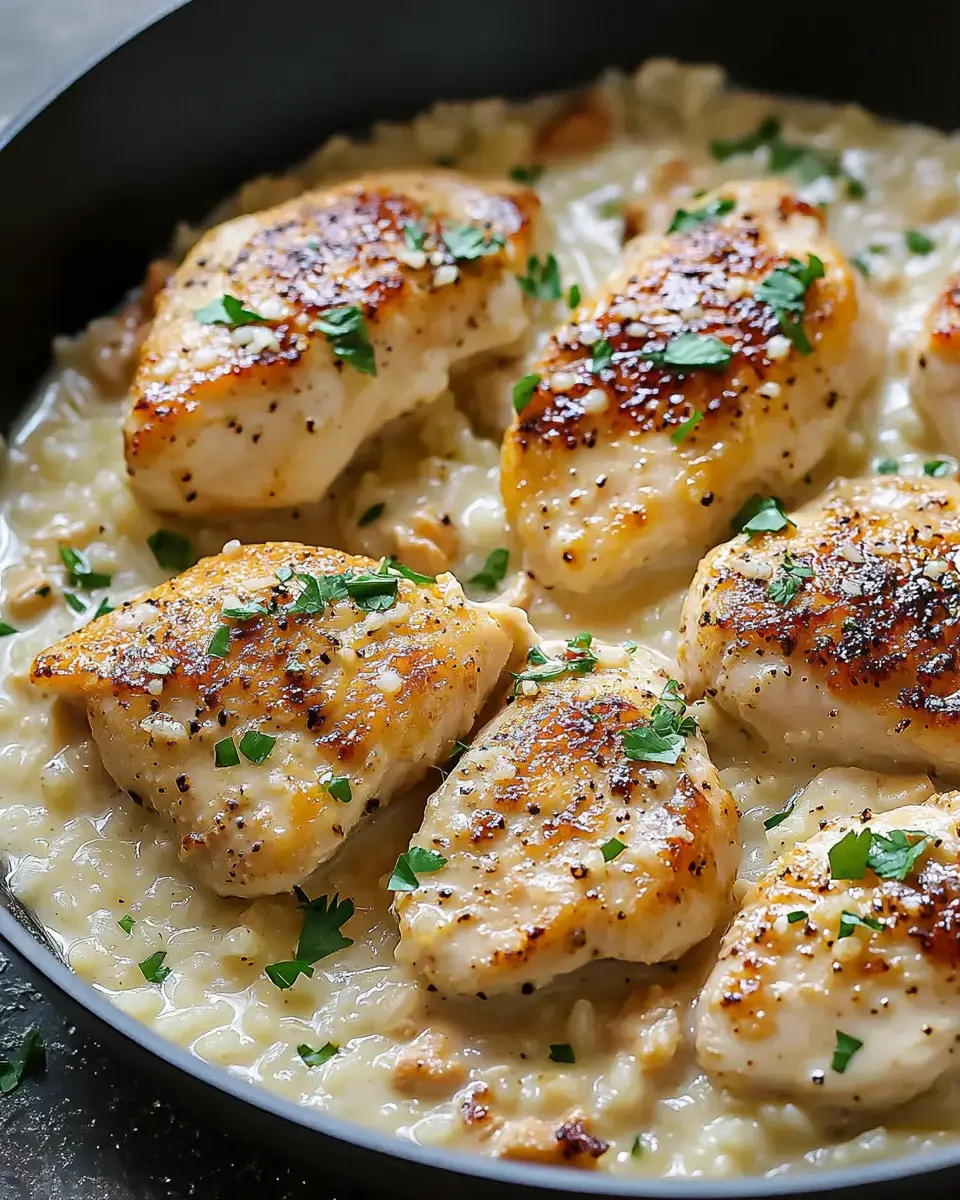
<point>81,856</point>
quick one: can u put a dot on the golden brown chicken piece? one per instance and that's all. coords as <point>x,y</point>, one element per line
<point>265,701</point>
<point>935,378</point>
<point>288,336</point>
<point>841,632</point>
<point>720,358</point>
<point>838,981</point>
<point>557,847</point>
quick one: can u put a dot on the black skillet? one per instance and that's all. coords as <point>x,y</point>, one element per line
<point>219,90</point>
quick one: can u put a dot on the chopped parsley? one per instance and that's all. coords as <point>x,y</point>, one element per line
<point>320,936</point>
<point>74,602</point>
<point>152,968</point>
<point>636,1150</point>
<point>243,612</point>
<point>785,290</point>
<point>226,310</point>
<point>886,466</point>
<point>30,1056</point>
<point>918,243</point>
<point>225,754</point>
<point>172,550</point>
<point>683,430</point>
<point>788,579</point>
<point>767,132</point>
<point>413,235</point>
<point>794,917</point>
<point>339,788</point>
<point>661,738</point>
<point>492,573</point>
<point>467,242</point>
<point>805,163</point>
<point>127,923</point>
<point>845,1049</point>
<point>562,1052</point>
<point>459,750</point>
<point>316,1058</point>
<point>345,328</point>
<point>578,659</point>
<point>257,747</point>
<point>890,856</point>
<point>573,295</point>
<point>937,468</point>
<point>6,629</point>
<point>602,356</point>
<point>683,220</point>
<point>761,514</point>
<point>414,862</point>
<point>373,513</point>
<point>689,350</point>
<point>542,280</point>
<point>612,849</point>
<point>778,818</point>
<point>523,391</point>
<point>850,921</point>
<point>526,173</point>
<point>103,608</point>
<point>219,644</point>
<point>370,592</point>
<point>397,568</point>
<point>80,573</point>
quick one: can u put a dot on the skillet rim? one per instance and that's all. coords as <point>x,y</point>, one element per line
<point>533,1176</point>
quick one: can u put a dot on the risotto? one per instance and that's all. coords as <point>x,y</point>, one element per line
<point>102,875</point>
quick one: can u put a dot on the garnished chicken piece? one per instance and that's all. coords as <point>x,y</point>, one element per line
<point>288,336</point>
<point>265,701</point>
<point>838,981</point>
<point>841,632</point>
<point>586,821</point>
<point>935,379</point>
<point>720,358</point>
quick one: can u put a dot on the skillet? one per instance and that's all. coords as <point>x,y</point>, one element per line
<point>91,184</point>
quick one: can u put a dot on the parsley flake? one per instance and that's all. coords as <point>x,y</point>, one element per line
<point>373,513</point>
<point>661,739</point>
<point>794,917</point>
<point>542,280</point>
<point>636,1150</point>
<point>788,579</point>
<point>152,968</point>
<point>316,1058</point>
<point>785,290</point>
<point>687,427</point>
<point>413,235</point>
<point>889,856</point>
<point>320,936</point>
<point>523,391</point>
<point>257,747</point>
<point>526,173</point>
<point>467,242</point>
<point>578,659</point>
<point>225,754</point>
<point>683,221</point>
<point>937,468</point>
<point>243,612</point>
<point>415,861</point>
<point>778,818</point>
<point>767,131</point>
<point>846,1048</point>
<point>345,328</point>
<point>886,466</point>
<point>848,857</point>
<point>74,602</point>
<point>573,295</point>
<point>285,974</point>
<point>226,310</point>
<point>918,243</point>
<point>6,629</point>
<point>127,923</point>
<point>612,849</point>
<point>219,644</point>
<point>30,1056</point>
<point>339,788</point>
<point>690,350</point>
<point>172,550</point>
<point>562,1052</point>
<point>850,921</point>
<point>602,356</point>
<point>80,573</point>
<point>761,514</point>
<point>492,573</point>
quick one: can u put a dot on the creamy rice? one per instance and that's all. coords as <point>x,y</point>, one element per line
<point>81,855</point>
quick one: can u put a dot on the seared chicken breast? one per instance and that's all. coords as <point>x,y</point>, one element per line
<point>288,336</point>
<point>559,844</point>
<point>935,378</point>
<point>838,982</point>
<point>720,358</point>
<point>839,632</point>
<point>266,701</point>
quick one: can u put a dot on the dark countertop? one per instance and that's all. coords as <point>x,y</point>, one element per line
<point>86,1129</point>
